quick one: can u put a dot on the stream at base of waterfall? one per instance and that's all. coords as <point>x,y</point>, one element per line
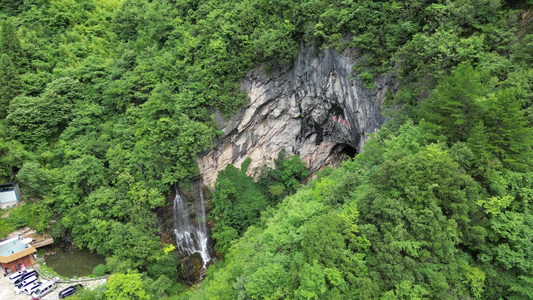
<point>191,234</point>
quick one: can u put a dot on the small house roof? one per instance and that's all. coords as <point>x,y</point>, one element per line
<point>8,197</point>
<point>14,249</point>
<point>9,193</point>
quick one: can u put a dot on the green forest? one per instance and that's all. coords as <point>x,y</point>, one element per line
<point>105,104</point>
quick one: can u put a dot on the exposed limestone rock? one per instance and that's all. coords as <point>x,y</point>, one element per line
<point>317,108</point>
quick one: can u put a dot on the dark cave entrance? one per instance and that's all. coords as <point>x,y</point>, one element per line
<point>348,151</point>
<point>344,150</point>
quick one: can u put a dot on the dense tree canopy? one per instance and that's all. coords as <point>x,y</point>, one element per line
<point>104,105</point>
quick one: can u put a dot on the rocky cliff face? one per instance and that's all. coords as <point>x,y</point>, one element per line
<point>317,107</point>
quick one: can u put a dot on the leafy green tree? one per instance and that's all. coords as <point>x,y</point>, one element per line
<point>330,250</point>
<point>509,135</point>
<point>478,141</point>
<point>160,287</point>
<point>132,244</point>
<point>100,270</point>
<point>237,203</point>
<point>418,219</point>
<point>313,282</point>
<point>6,228</point>
<point>406,290</point>
<point>284,179</point>
<point>35,120</point>
<point>522,52</point>
<point>10,6</point>
<point>164,265</point>
<point>80,178</point>
<point>268,283</point>
<point>37,180</point>
<point>90,294</point>
<point>125,20</point>
<point>452,107</point>
<point>12,157</point>
<point>126,286</point>
<point>9,42</point>
<point>224,236</point>
<point>9,83</point>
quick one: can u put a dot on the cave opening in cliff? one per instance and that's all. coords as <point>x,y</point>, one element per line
<point>348,151</point>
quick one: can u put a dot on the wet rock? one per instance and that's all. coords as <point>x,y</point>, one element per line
<point>190,269</point>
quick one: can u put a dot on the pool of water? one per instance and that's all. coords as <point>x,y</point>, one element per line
<point>74,262</point>
<point>12,247</point>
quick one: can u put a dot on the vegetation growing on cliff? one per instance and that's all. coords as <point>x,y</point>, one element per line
<point>403,220</point>
<point>104,105</point>
<point>238,200</point>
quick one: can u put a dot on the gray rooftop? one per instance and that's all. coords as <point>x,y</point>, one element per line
<point>8,197</point>
<point>12,247</point>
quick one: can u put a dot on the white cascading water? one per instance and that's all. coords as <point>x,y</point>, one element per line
<point>191,238</point>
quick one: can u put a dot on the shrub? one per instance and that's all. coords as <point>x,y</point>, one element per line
<point>100,270</point>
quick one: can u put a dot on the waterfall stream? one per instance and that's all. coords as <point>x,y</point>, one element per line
<point>191,237</point>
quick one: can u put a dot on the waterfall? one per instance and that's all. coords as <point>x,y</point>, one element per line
<point>191,237</point>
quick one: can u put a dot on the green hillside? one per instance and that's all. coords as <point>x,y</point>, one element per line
<point>105,104</point>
